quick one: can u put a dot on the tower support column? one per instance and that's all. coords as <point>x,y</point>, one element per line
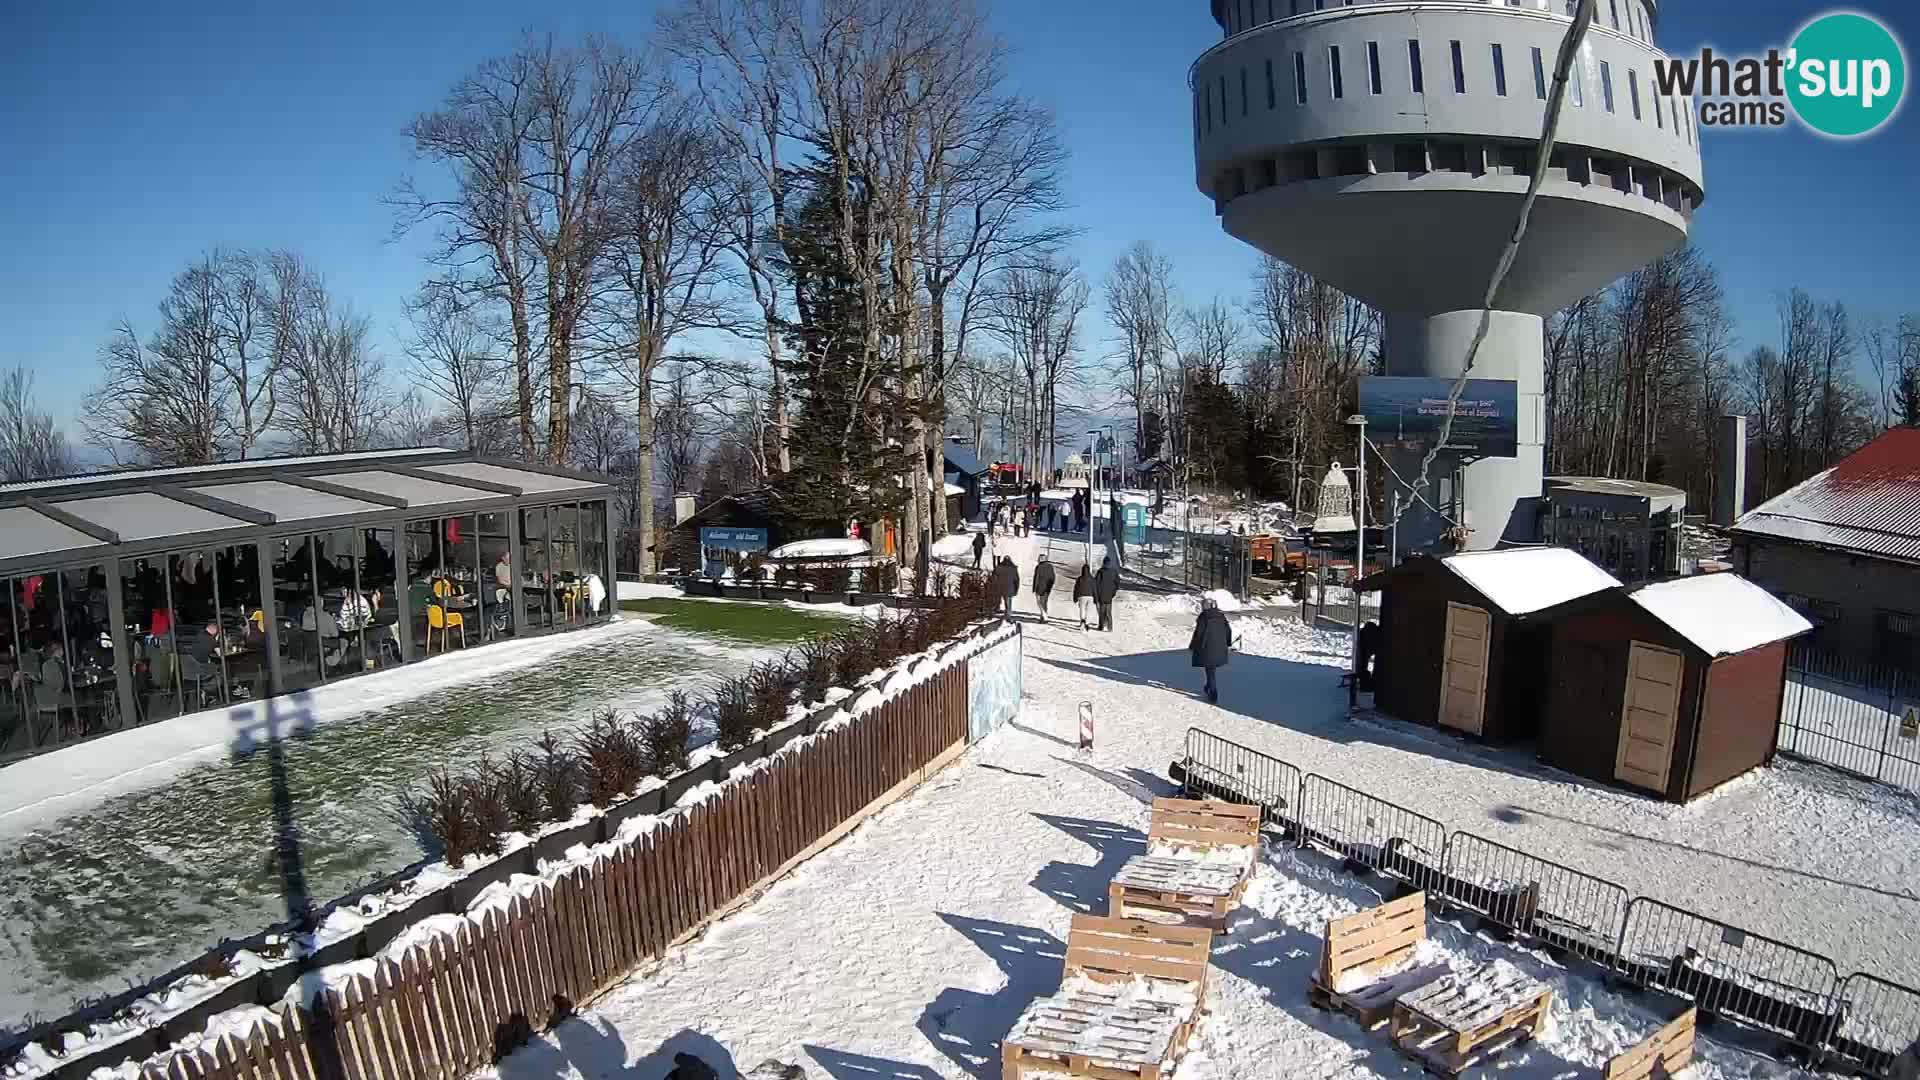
<point>1496,498</point>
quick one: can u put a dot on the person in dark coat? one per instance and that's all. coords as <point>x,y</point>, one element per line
<point>1083,595</point>
<point>1368,647</point>
<point>1211,644</point>
<point>1006,577</point>
<point>1105,587</point>
<point>979,546</point>
<point>1042,585</point>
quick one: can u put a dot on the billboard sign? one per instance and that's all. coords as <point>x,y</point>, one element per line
<point>728,538</point>
<point>1407,413</point>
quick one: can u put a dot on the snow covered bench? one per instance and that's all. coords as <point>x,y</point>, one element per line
<point>1200,856</point>
<point>1129,997</point>
<point>1664,1053</point>
<point>1367,961</point>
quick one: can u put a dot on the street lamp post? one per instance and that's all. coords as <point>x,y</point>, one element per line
<point>1359,422</point>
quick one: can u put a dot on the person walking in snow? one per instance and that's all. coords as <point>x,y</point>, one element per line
<point>979,546</point>
<point>993,513</point>
<point>1083,595</point>
<point>1212,643</point>
<point>1042,585</point>
<point>1105,587</point>
<point>1007,580</point>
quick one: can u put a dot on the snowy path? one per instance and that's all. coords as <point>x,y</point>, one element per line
<point>908,949</point>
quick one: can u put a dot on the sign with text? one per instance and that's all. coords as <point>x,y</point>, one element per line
<point>1408,413</point>
<point>728,538</point>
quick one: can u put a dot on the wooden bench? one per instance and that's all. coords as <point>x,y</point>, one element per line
<point>1130,994</point>
<point>1359,947</point>
<point>1200,856</point>
<point>1461,1021</point>
<point>1664,1053</point>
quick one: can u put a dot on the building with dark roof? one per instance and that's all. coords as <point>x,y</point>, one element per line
<point>131,597</point>
<point>1843,548</point>
<point>964,471</point>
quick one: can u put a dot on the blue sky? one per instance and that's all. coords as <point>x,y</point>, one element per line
<point>133,139</point>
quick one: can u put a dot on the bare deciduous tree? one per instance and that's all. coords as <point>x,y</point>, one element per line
<point>1036,311</point>
<point>532,140</point>
<point>1139,298</point>
<point>454,360</point>
<point>665,264</point>
<point>32,447</point>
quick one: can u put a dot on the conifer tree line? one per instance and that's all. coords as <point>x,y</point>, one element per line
<point>792,244</point>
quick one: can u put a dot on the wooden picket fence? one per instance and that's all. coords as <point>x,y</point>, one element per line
<point>455,1002</point>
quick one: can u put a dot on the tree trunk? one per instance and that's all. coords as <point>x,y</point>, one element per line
<point>559,394</point>
<point>644,415</point>
<point>779,397</point>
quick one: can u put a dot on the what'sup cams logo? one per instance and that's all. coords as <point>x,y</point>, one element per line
<point>1844,76</point>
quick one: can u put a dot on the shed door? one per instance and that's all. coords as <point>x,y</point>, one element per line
<point>1463,673</point>
<point>1648,717</point>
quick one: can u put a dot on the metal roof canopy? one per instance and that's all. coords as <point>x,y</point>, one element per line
<point>81,520</point>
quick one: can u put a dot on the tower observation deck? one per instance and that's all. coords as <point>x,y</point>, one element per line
<point>1385,146</point>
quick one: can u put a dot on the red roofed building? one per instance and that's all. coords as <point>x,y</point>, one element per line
<point>1843,547</point>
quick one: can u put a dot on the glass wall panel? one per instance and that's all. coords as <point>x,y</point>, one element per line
<point>570,597</point>
<point>90,652</point>
<point>344,613</point>
<point>36,599</point>
<point>14,672</point>
<point>423,571</point>
<point>380,584</point>
<point>243,623</point>
<point>143,596</point>
<point>199,651</point>
<point>593,556</point>
<point>453,613</point>
<point>496,582</point>
<point>536,567</point>
<point>297,608</point>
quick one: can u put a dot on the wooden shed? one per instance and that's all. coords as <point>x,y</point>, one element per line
<point>1672,688</point>
<point>1464,639</point>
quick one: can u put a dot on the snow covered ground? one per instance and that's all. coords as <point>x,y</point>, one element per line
<point>1850,726</point>
<point>909,949</point>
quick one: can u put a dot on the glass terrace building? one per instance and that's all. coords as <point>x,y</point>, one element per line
<point>130,597</point>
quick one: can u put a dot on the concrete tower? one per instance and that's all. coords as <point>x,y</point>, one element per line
<point>1384,146</point>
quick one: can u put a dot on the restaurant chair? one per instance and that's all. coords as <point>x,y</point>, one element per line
<point>439,618</point>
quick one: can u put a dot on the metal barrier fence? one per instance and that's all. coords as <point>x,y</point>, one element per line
<point>1731,972</point>
<point>1866,1022</point>
<point>1373,832</point>
<point>1226,770</point>
<point>1557,905</point>
<point>1878,1024</point>
<point>1845,712</point>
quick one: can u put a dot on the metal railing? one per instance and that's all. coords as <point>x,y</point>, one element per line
<point>1878,1020</point>
<point>1845,711</point>
<point>1733,974</point>
<point>1556,905</point>
<point>1222,769</point>
<point>1372,832</point>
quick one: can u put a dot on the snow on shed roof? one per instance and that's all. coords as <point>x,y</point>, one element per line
<point>1523,580</point>
<point>963,460</point>
<point>1869,502</point>
<point>1721,613</point>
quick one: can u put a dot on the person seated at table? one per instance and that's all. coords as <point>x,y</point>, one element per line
<point>54,688</point>
<point>162,627</point>
<point>355,612</point>
<point>503,577</point>
<point>206,643</point>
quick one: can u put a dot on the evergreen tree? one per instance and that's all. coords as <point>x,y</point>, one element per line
<point>844,409</point>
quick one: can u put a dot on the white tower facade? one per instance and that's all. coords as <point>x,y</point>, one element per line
<point>1384,146</point>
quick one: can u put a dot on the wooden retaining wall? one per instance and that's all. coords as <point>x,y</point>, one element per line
<point>454,1003</point>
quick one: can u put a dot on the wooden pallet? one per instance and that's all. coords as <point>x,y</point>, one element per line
<point>1204,825</point>
<point>1084,1034</point>
<point>1360,946</point>
<point>1184,890</point>
<point>1661,1054</point>
<point>1456,1023</point>
<point>1097,1027</point>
